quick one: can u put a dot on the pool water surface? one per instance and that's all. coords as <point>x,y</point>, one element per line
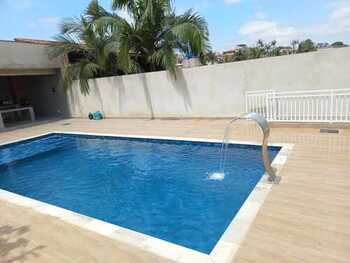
<point>156,187</point>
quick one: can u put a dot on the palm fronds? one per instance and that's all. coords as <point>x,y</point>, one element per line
<point>104,43</point>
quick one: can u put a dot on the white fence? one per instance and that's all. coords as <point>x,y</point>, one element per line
<point>301,106</point>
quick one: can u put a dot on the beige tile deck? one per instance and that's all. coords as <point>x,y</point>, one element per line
<point>304,219</point>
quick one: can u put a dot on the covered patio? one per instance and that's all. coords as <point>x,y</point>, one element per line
<point>29,84</point>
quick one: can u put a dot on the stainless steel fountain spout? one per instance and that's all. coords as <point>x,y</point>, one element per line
<point>264,125</point>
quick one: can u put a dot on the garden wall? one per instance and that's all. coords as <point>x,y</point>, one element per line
<point>211,91</point>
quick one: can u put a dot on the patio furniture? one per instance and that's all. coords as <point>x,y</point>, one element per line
<point>29,109</point>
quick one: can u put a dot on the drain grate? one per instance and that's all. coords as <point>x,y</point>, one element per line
<point>329,130</point>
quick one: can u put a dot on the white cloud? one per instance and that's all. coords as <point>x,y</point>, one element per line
<point>340,13</point>
<point>268,30</point>
<point>232,1</point>
<point>336,27</point>
<point>339,19</point>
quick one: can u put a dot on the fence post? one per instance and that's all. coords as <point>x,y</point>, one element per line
<point>267,106</point>
<point>274,105</point>
<point>246,102</point>
<point>331,111</point>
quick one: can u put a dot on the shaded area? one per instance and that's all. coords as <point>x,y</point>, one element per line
<point>181,87</point>
<point>14,247</point>
<point>147,94</point>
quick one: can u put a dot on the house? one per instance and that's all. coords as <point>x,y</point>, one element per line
<point>29,82</point>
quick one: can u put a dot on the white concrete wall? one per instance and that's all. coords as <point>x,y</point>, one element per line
<point>211,91</point>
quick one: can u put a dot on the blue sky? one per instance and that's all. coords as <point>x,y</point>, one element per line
<point>230,22</point>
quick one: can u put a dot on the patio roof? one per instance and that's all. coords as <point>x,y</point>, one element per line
<point>24,57</point>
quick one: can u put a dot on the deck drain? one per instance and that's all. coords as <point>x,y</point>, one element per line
<point>329,130</point>
<point>66,124</point>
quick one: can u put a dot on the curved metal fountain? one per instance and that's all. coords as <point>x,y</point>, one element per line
<point>263,124</point>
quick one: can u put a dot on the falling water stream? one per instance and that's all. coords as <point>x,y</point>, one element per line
<point>220,174</point>
<point>264,125</point>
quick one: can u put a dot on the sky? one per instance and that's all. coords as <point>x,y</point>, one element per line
<point>230,22</point>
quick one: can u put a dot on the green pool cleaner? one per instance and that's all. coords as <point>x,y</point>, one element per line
<point>96,116</point>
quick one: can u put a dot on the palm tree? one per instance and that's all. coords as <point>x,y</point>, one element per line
<point>83,44</point>
<point>306,46</point>
<point>148,39</point>
<point>209,58</point>
<point>102,43</point>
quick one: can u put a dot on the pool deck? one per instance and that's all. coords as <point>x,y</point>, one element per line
<point>306,218</point>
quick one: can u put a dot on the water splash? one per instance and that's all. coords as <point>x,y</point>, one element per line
<point>220,175</point>
<point>216,176</point>
<point>224,147</point>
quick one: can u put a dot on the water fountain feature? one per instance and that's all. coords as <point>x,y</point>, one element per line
<point>263,124</point>
<point>220,175</point>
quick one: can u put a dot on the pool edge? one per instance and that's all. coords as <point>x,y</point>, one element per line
<point>226,247</point>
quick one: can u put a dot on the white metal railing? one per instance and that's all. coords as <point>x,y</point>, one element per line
<point>301,106</point>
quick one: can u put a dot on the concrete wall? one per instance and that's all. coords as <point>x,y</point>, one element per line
<point>210,91</point>
<point>5,91</point>
<point>48,98</point>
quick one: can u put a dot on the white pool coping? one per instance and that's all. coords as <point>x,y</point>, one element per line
<point>226,247</point>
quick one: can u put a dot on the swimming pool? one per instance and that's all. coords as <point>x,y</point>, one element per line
<point>156,187</point>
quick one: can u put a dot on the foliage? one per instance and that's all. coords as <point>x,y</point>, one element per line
<point>83,45</point>
<point>103,43</point>
<point>241,54</point>
<point>209,57</point>
<point>338,44</point>
<point>269,49</point>
<point>147,40</point>
<point>306,46</point>
<point>260,50</point>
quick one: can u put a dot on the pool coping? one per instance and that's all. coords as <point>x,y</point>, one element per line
<point>225,249</point>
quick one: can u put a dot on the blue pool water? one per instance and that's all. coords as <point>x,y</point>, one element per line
<point>156,187</point>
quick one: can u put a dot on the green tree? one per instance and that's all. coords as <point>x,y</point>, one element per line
<point>102,43</point>
<point>268,49</point>
<point>254,53</point>
<point>83,45</point>
<point>147,40</point>
<point>209,58</point>
<point>338,44</point>
<point>241,54</point>
<point>306,46</point>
